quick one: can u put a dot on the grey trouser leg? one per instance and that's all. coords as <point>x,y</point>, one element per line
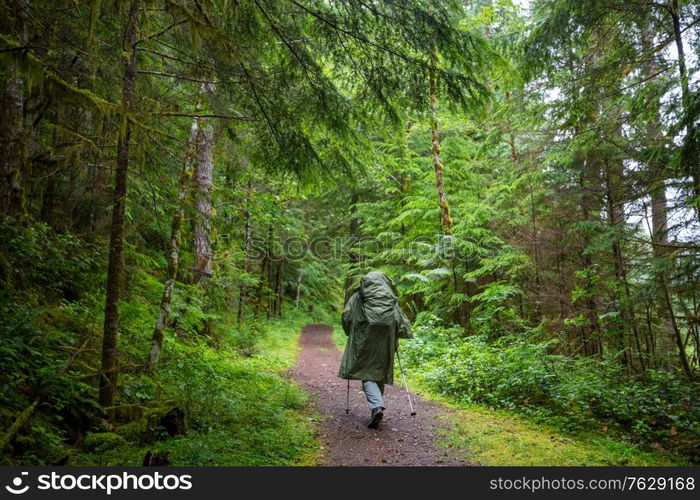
<point>374,392</point>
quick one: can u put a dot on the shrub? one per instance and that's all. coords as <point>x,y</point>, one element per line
<point>520,374</point>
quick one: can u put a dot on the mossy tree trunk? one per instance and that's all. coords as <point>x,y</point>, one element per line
<point>279,288</point>
<point>445,219</point>
<point>243,290</point>
<point>297,293</point>
<point>264,281</point>
<point>108,369</point>
<point>13,141</point>
<point>203,205</point>
<point>353,257</point>
<point>174,247</point>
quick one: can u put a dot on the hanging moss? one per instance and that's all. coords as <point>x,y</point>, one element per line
<point>196,37</point>
<point>35,72</point>
<point>122,128</point>
<point>99,124</point>
<point>95,6</point>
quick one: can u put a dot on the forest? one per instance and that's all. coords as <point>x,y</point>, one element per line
<point>185,184</point>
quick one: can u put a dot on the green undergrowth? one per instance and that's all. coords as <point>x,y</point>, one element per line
<point>489,436</point>
<point>226,380</point>
<point>240,409</point>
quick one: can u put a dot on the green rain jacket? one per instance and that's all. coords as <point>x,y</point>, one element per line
<point>373,323</point>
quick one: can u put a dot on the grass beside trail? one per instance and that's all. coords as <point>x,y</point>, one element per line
<point>241,410</point>
<point>491,437</point>
<point>483,436</point>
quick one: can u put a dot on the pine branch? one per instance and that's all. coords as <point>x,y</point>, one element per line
<point>201,115</point>
<point>185,78</point>
<point>160,32</point>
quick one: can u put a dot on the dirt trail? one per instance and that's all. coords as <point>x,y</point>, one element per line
<point>400,440</point>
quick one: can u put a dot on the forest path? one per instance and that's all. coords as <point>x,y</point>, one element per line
<point>400,439</point>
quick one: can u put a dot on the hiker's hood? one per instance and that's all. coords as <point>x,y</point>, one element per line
<point>377,286</point>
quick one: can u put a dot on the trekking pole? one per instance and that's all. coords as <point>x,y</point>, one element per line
<point>347,399</point>
<point>405,385</point>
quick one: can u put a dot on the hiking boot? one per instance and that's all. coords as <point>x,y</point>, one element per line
<point>377,415</point>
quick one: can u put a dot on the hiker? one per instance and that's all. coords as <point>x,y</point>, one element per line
<point>373,323</point>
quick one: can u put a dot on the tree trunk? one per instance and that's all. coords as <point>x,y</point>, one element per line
<point>297,295</point>
<point>48,201</point>
<point>656,167</point>
<point>271,286</point>
<point>279,288</point>
<point>108,370</point>
<point>445,219</point>
<point>95,188</point>
<point>591,199</point>
<point>243,295</point>
<point>174,247</point>
<point>536,256</point>
<point>264,273</point>
<point>13,140</point>
<point>690,166</point>
<point>616,217</point>
<point>676,330</point>
<point>203,206</point>
<point>590,203</point>
<point>353,258</point>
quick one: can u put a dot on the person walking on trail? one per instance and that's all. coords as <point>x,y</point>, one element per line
<point>373,323</point>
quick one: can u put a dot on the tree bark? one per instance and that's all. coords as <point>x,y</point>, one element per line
<point>108,369</point>
<point>691,166</point>
<point>279,288</point>
<point>243,295</point>
<point>445,219</point>
<point>264,272</point>
<point>590,203</point>
<point>203,206</point>
<point>271,286</point>
<point>297,294</point>
<point>656,167</point>
<point>676,330</point>
<point>353,258</point>
<point>174,247</point>
<point>614,176</point>
<point>13,140</point>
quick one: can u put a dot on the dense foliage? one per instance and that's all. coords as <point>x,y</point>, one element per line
<point>520,373</point>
